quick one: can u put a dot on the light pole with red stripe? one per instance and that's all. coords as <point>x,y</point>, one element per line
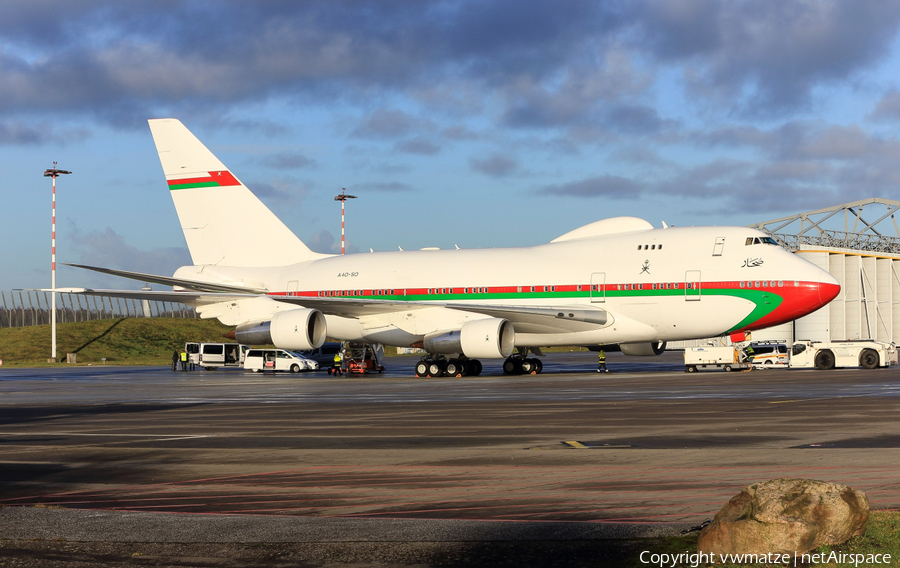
<point>343,197</point>
<point>53,173</point>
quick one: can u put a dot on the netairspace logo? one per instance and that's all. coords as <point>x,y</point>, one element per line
<point>696,559</point>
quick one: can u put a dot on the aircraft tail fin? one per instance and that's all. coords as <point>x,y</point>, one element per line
<point>224,223</point>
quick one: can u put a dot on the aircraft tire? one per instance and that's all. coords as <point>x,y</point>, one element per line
<point>454,368</point>
<point>421,369</point>
<point>473,367</point>
<point>512,366</point>
<point>527,367</point>
<point>436,369</point>
<point>538,366</point>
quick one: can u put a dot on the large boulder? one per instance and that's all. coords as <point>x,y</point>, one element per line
<point>786,516</point>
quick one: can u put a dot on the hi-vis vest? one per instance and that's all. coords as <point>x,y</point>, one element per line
<point>337,358</point>
<point>184,356</point>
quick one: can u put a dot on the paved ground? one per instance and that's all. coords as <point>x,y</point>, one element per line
<point>646,443</point>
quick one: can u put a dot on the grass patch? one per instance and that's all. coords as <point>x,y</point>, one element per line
<point>122,341</point>
<point>882,536</point>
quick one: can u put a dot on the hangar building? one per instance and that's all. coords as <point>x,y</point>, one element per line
<point>861,249</point>
<point>859,244</point>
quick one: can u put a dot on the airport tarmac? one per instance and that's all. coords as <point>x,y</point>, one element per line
<point>646,446</point>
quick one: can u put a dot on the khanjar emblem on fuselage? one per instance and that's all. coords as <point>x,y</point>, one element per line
<point>645,267</point>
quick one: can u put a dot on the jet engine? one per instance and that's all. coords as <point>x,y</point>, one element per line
<point>490,338</point>
<point>643,349</point>
<point>298,329</point>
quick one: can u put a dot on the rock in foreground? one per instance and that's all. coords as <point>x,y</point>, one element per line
<point>786,516</point>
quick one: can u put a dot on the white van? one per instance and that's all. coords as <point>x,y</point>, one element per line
<point>213,355</point>
<point>770,354</point>
<point>259,360</point>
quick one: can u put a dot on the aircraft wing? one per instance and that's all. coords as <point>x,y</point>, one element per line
<point>169,281</point>
<point>191,297</point>
<point>527,319</point>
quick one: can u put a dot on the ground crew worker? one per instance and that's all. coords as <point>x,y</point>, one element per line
<point>184,358</point>
<point>336,368</point>
<point>601,362</point>
<point>749,352</point>
<point>175,360</point>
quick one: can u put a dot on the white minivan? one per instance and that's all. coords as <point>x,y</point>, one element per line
<point>259,360</point>
<point>211,356</point>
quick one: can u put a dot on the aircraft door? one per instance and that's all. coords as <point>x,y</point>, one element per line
<point>692,285</point>
<point>598,287</point>
<point>720,244</point>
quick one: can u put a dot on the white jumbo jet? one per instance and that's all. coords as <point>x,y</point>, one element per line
<point>613,282</point>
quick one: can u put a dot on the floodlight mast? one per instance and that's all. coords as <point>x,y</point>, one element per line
<point>343,197</point>
<point>54,172</point>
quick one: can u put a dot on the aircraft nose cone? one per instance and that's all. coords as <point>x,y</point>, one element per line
<point>828,286</point>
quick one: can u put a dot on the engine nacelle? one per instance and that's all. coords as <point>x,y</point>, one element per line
<point>490,338</point>
<point>643,349</point>
<point>298,329</point>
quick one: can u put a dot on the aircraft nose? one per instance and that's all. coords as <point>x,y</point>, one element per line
<point>828,287</point>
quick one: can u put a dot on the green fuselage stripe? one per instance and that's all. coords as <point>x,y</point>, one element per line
<point>764,301</point>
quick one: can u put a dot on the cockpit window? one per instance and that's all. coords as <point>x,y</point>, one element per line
<point>760,241</point>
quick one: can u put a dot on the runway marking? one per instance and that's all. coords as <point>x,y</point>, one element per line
<point>85,434</point>
<point>575,444</point>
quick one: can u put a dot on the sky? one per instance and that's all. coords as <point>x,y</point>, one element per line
<point>465,123</point>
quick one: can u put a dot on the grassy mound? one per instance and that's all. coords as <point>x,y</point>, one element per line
<point>123,341</point>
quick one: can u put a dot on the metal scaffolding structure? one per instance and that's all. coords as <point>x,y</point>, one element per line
<point>821,228</point>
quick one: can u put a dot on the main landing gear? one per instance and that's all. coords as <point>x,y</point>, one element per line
<point>521,364</point>
<point>440,366</point>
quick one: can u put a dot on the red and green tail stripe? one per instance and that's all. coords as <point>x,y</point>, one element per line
<point>214,179</point>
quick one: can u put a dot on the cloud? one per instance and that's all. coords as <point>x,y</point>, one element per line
<point>281,189</point>
<point>418,146</point>
<point>545,66</point>
<point>108,249</point>
<point>288,161</point>
<point>888,107</point>
<point>615,187</point>
<point>21,134</point>
<point>766,56</point>
<point>387,187</point>
<point>495,166</point>
<point>324,242</point>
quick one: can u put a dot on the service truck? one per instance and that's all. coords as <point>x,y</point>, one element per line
<point>725,357</point>
<point>824,355</point>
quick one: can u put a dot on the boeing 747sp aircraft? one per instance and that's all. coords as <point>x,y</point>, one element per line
<point>614,281</point>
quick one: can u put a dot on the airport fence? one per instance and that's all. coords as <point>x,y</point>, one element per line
<point>21,308</point>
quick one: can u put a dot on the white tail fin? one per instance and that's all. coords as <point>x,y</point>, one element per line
<point>223,222</point>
